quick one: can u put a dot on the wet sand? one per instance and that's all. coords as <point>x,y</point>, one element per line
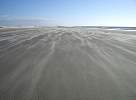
<point>67,64</point>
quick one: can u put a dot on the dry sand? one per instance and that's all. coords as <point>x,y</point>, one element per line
<point>67,64</point>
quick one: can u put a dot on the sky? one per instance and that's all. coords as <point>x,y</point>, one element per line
<point>69,12</point>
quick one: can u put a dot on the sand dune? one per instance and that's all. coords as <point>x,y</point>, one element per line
<point>67,64</point>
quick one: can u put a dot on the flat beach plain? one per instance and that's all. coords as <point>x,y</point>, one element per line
<point>76,63</point>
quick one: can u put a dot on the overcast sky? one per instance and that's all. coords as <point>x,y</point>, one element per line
<point>72,12</point>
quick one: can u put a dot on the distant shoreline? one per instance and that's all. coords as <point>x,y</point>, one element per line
<point>99,27</point>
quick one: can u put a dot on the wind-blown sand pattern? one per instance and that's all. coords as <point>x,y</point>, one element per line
<point>67,64</point>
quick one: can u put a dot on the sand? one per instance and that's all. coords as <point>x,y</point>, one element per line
<point>67,64</point>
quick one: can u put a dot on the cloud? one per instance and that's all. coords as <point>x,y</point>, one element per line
<point>6,20</point>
